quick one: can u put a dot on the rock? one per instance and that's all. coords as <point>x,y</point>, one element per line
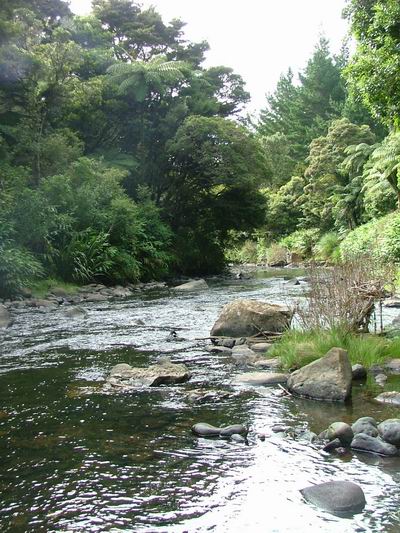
<point>293,282</point>
<point>207,430</point>
<point>5,317</point>
<point>278,428</point>
<point>308,436</point>
<point>201,396</point>
<point>341,431</point>
<point>120,292</point>
<point>243,355</point>
<point>366,425</point>
<point>332,445</point>
<point>260,347</point>
<point>163,373</point>
<point>328,378</point>
<point>392,302</point>
<point>261,378</point>
<point>366,443</point>
<point>389,430</point>
<point>381,379</point>
<point>244,318</point>
<point>391,397</point>
<point>228,343</point>
<point>193,285</point>
<point>59,291</point>
<point>267,363</point>
<point>375,370</point>
<point>359,372</point>
<point>337,497</point>
<point>218,349</point>
<point>76,312</point>
<point>393,366</point>
<point>95,297</point>
<point>237,438</point>
<point>43,303</point>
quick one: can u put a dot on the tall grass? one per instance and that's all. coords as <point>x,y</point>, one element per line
<point>298,348</point>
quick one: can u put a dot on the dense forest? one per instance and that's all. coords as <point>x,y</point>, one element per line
<point>123,158</point>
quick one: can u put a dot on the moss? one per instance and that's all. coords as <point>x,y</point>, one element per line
<point>43,287</point>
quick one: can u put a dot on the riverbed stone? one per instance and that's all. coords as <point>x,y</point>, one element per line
<point>389,430</point>
<point>242,355</point>
<point>390,397</point>
<point>192,285</point>
<point>95,297</point>
<point>221,350</point>
<point>328,378</point>
<point>393,366</point>
<point>261,378</point>
<point>366,425</point>
<point>228,343</point>
<point>366,443</point>
<point>203,429</point>
<point>260,347</point>
<point>5,317</point>
<point>381,379</point>
<point>76,312</point>
<point>341,431</point>
<point>336,497</point>
<point>162,373</point>
<point>332,445</point>
<point>273,363</point>
<point>359,372</point>
<point>244,318</point>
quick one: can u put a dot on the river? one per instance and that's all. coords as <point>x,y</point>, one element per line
<point>75,462</point>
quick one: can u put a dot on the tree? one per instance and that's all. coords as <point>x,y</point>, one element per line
<point>373,70</point>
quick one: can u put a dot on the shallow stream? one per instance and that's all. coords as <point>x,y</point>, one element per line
<point>71,462</point>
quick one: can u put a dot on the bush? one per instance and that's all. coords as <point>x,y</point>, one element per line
<point>302,241</point>
<point>379,238</point>
<point>18,268</point>
<point>276,254</point>
<point>328,248</point>
<point>298,348</point>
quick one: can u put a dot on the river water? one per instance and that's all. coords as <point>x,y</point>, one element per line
<point>74,462</point>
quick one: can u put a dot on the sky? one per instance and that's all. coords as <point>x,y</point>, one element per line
<point>259,39</point>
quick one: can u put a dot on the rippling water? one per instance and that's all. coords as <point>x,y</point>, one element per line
<point>129,462</point>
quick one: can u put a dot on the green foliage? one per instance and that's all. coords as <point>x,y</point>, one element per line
<point>301,242</point>
<point>299,348</point>
<point>328,248</point>
<point>380,237</point>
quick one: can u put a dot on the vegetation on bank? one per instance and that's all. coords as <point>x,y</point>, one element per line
<point>299,348</point>
<point>124,158</point>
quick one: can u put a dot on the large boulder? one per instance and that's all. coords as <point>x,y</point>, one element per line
<point>366,425</point>
<point>390,397</point>
<point>5,317</point>
<point>244,318</point>
<point>328,378</point>
<point>124,376</point>
<point>193,285</point>
<point>389,430</point>
<point>336,497</point>
<point>341,431</point>
<point>366,443</point>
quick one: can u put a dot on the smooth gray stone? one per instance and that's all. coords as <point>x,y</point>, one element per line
<point>366,443</point>
<point>332,445</point>
<point>207,430</point>
<point>359,372</point>
<point>367,425</point>
<point>337,497</point>
<point>391,397</point>
<point>76,312</point>
<point>261,378</point>
<point>193,285</point>
<point>237,438</point>
<point>341,431</point>
<point>389,430</point>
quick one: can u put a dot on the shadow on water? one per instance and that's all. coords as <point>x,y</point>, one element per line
<point>129,462</point>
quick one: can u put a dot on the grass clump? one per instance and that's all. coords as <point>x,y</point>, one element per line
<point>299,348</point>
<point>42,287</point>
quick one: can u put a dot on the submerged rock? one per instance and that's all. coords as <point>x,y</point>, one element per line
<point>261,378</point>
<point>5,317</point>
<point>341,431</point>
<point>193,285</point>
<point>328,378</point>
<point>244,318</point>
<point>76,312</point>
<point>367,425</point>
<point>366,443</point>
<point>389,430</point>
<point>391,397</point>
<point>260,347</point>
<point>124,376</point>
<point>336,497</point>
<point>203,429</point>
<point>267,363</point>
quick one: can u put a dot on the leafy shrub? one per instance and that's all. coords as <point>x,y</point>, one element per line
<point>301,241</point>
<point>276,254</point>
<point>18,268</point>
<point>380,238</point>
<point>328,248</point>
